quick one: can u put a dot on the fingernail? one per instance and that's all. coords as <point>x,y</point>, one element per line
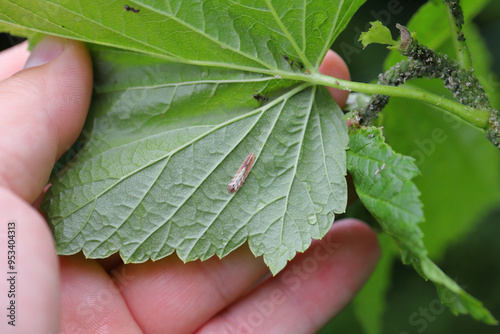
<point>46,50</point>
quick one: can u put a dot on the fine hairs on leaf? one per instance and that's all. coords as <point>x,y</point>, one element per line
<point>188,93</point>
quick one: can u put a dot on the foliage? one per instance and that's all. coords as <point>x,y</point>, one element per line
<point>185,90</point>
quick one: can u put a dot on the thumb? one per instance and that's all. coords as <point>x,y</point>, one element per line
<point>43,111</point>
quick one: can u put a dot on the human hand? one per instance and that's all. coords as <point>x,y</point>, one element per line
<point>42,111</point>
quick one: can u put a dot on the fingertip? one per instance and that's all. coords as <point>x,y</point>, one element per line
<point>334,66</point>
<point>353,250</point>
<point>43,111</point>
<point>90,299</point>
<point>361,235</point>
<point>313,287</point>
<point>15,57</point>
<point>67,86</point>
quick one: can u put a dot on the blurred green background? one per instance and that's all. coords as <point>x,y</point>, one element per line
<point>460,186</point>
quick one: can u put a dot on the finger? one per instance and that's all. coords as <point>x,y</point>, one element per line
<point>30,281</point>
<point>315,286</point>
<point>43,111</point>
<point>334,66</point>
<point>173,297</point>
<point>91,302</point>
<point>15,57</point>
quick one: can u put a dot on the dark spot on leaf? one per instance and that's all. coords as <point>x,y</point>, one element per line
<point>260,97</point>
<point>131,9</point>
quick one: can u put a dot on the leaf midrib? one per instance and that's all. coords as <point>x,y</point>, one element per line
<point>185,83</point>
<point>294,174</point>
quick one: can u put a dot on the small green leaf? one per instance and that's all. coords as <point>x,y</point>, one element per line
<point>382,179</point>
<point>378,33</point>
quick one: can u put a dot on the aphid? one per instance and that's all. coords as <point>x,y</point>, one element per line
<point>131,9</point>
<point>259,97</point>
<point>291,62</point>
<point>242,173</point>
<point>299,64</point>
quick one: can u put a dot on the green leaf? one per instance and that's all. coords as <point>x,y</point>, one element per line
<point>378,34</point>
<point>383,183</point>
<point>461,168</point>
<point>251,36</point>
<point>409,298</point>
<point>445,148</point>
<point>382,180</point>
<point>163,141</point>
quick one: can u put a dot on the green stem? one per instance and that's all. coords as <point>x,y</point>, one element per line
<point>461,50</point>
<point>474,116</point>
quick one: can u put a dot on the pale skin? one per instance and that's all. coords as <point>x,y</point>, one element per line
<point>42,111</point>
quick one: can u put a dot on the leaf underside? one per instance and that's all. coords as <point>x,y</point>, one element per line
<point>161,186</point>
<point>382,179</point>
<point>173,117</point>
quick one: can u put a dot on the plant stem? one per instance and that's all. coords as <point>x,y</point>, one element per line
<point>461,50</point>
<point>474,116</point>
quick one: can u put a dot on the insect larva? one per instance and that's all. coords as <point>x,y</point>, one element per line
<point>242,173</point>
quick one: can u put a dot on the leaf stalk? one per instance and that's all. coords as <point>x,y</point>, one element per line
<point>471,115</point>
